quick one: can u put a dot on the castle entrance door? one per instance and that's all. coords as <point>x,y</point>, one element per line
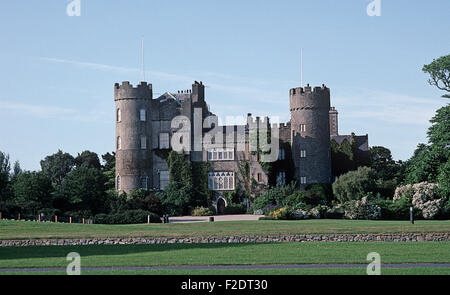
<point>220,206</point>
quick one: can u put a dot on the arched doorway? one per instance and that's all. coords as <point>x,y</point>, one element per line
<point>220,206</point>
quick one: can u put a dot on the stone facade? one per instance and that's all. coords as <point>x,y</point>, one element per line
<point>310,134</point>
<point>145,132</point>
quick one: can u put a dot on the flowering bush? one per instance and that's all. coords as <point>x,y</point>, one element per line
<point>361,209</point>
<point>288,213</point>
<point>301,214</point>
<point>202,211</point>
<point>282,213</point>
<point>423,197</point>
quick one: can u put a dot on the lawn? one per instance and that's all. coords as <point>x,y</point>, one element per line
<point>44,230</point>
<point>225,254</point>
<point>325,271</point>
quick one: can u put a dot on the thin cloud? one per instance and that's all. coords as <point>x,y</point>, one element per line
<point>389,107</point>
<point>255,94</point>
<point>53,112</point>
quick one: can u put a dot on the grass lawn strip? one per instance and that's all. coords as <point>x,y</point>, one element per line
<point>17,230</point>
<point>225,254</point>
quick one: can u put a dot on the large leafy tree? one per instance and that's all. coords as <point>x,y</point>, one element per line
<point>355,184</point>
<point>109,160</point>
<point>431,161</point>
<point>342,157</point>
<point>88,159</point>
<point>382,162</point>
<point>5,168</point>
<point>389,173</point>
<point>57,166</point>
<point>109,170</point>
<point>188,187</point>
<point>83,189</point>
<point>439,71</point>
<point>32,191</point>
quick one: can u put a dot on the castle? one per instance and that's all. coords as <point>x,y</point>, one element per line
<point>147,128</point>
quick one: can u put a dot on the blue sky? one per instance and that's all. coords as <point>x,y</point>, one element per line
<point>57,72</point>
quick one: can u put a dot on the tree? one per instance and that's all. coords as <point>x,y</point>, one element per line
<point>109,160</point>
<point>83,189</point>
<point>389,173</point>
<point>179,168</point>
<point>5,168</point>
<point>342,157</point>
<point>57,166</point>
<point>176,199</point>
<point>382,162</point>
<point>188,185</point>
<point>355,184</point>
<point>425,164</point>
<point>16,169</point>
<point>109,170</point>
<point>32,191</point>
<point>88,159</point>
<point>439,71</point>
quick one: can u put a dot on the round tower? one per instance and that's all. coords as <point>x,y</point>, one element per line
<point>133,136</point>
<point>310,134</point>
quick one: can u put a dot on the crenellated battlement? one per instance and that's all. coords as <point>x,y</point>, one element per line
<point>259,123</point>
<point>127,91</point>
<point>308,89</point>
<point>128,85</point>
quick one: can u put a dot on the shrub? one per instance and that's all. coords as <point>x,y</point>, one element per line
<point>235,209</point>
<point>362,209</point>
<point>335,212</point>
<point>300,214</point>
<point>322,191</point>
<point>303,199</point>
<point>202,211</point>
<point>281,214</point>
<point>176,199</point>
<point>127,217</point>
<point>422,196</point>
<point>274,197</point>
<point>391,210</point>
<point>354,184</point>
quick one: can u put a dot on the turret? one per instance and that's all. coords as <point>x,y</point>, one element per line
<point>133,136</point>
<point>310,134</point>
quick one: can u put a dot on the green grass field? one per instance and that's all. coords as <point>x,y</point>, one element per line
<point>325,271</point>
<point>33,230</point>
<point>224,254</point>
<point>232,254</point>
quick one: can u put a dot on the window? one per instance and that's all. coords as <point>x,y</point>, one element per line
<point>163,179</point>
<point>281,178</point>
<point>221,154</point>
<point>281,154</point>
<point>119,116</point>
<point>258,177</point>
<point>118,183</point>
<point>164,142</point>
<point>119,143</point>
<point>221,181</point>
<point>302,127</point>
<point>144,182</point>
<point>303,180</point>
<point>302,153</point>
<point>143,142</point>
<point>143,115</point>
